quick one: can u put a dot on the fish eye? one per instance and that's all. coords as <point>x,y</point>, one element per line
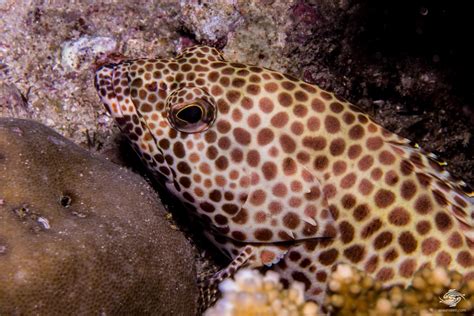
<point>191,110</point>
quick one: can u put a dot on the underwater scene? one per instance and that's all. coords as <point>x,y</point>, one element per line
<point>234,158</point>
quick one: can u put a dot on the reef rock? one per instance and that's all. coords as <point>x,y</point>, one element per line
<point>80,235</point>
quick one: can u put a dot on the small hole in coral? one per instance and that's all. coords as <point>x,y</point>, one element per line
<point>22,212</point>
<point>65,201</point>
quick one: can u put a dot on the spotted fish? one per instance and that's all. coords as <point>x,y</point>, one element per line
<point>284,174</point>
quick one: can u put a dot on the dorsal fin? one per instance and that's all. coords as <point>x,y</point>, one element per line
<point>446,189</point>
<point>201,51</point>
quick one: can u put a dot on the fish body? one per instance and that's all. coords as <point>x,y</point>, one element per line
<point>285,174</point>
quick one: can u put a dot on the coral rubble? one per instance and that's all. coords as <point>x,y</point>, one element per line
<point>353,292</point>
<point>252,294</point>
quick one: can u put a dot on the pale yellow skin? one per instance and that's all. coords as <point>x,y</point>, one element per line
<point>282,172</point>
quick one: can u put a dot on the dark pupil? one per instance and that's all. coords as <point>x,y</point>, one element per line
<point>191,114</point>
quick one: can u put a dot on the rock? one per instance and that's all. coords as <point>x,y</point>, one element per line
<point>211,23</point>
<point>80,235</point>
<point>12,101</point>
<point>80,53</point>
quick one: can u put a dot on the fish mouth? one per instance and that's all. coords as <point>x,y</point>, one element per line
<point>103,82</point>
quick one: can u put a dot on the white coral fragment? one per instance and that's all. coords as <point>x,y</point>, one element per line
<point>250,293</point>
<point>77,54</point>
